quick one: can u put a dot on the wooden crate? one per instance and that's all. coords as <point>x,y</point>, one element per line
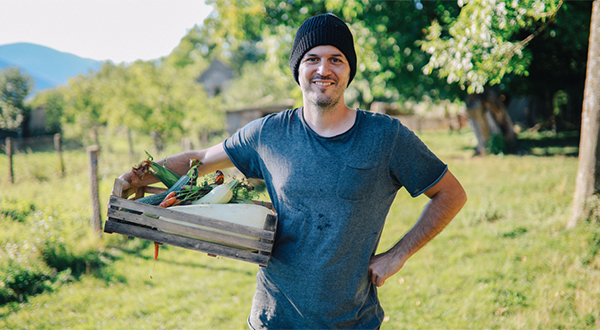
<point>131,218</point>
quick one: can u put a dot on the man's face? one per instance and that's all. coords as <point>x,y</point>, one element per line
<point>323,74</point>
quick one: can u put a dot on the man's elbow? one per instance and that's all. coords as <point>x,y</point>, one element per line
<point>461,197</point>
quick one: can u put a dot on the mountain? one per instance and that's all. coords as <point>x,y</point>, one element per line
<point>48,67</point>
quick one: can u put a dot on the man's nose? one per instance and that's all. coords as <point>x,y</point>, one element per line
<point>323,68</point>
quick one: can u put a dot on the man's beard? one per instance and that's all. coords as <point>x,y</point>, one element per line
<point>325,103</point>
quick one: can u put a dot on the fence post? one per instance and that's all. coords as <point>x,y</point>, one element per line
<point>9,153</point>
<point>57,146</point>
<point>93,168</point>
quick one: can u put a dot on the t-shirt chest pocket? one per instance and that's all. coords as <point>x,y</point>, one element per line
<point>357,180</point>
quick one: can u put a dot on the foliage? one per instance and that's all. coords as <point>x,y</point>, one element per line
<point>83,106</point>
<point>53,102</point>
<point>244,92</point>
<point>149,98</point>
<point>558,68</point>
<point>35,256</point>
<point>478,48</point>
<point>45,241</point>
<point>14,88</point>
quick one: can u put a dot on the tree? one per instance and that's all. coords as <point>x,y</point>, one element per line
<point>476,51</point>
<point>587,186</point>
<point>53,102</point>
<point>83,107</point>
<point>14,88</point>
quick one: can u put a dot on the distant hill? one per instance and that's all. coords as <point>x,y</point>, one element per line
<point>48,67</point>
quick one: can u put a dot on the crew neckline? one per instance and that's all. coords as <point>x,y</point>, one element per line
<point>300,114</point>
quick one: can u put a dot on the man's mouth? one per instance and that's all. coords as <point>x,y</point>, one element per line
<point>323,83</point>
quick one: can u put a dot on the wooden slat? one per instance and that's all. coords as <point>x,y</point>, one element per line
<point>191,218</point>
<point>268,205</point>
<point>139,192</point>
<point>187,243</point>
<point>118,187</point>
<point>270,225</point>
<point>189,231</point>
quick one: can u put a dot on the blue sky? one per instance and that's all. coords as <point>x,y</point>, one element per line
<point>119,30</point>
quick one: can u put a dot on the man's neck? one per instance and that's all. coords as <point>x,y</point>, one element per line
<point>329,122</point>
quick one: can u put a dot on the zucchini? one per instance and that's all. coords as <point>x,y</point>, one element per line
<point>157,198</point>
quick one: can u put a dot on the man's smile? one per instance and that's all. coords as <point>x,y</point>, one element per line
<point>320,83</point>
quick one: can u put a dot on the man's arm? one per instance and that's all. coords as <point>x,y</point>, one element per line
<point>447,198</point>
<point>213,158</point>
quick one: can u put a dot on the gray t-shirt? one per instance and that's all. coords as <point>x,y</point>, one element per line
<point>332,195</point>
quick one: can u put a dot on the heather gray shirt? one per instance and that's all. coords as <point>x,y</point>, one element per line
<point>332,196</point>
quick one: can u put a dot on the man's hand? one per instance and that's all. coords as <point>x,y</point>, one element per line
<point>383,266</point>
<point>447,198</point>
<point>129,186</point>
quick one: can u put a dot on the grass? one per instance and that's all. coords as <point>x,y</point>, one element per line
<point>505,262</point>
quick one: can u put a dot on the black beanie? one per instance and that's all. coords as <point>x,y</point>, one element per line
<point>321,30</point>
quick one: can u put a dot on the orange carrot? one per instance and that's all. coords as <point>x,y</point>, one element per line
<point>156,245</point>
<point>169,200</point>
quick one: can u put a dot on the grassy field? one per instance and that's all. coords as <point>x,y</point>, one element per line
<point>505,262</point>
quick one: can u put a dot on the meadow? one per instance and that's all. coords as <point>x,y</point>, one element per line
<point>505,262</point>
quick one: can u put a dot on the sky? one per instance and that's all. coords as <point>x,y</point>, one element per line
<point>117,30</point>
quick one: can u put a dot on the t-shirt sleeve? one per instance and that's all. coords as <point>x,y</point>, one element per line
<point>242,149</point>
<point>414,165</point>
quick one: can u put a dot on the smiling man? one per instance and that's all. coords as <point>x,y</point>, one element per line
<point>332,173</point>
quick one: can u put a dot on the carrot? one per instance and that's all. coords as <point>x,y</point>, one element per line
<point>156,246</point>
<point>169,200</point>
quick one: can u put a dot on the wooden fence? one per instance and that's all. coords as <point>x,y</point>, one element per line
<point>12,144</point>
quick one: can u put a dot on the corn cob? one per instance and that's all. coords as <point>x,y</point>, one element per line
<point>165,175</point>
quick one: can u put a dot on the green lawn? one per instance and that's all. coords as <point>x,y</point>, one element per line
<point>505,262</point>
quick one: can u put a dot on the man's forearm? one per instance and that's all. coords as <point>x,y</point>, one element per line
<point>438,212</point>
<point>447,198</point>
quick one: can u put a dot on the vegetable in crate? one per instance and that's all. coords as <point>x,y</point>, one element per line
<point>156,199</point>
<point>188,188</point>
<point>220,194</point>
<point>165,175</point>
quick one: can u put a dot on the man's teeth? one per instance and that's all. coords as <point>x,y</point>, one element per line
<point>323,84</point>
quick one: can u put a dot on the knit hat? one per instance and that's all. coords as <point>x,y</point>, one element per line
<point>320,30</point>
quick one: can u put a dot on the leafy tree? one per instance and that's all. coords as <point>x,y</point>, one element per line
<point>555,77</point>
<point>488,44</point>
<point>14,88</point>
<point>83,108</point>
<point>53,102</point>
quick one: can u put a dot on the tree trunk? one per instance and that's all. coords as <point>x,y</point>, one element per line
<point>158,142</point>
<point>588,173</point>
<point>488,117</point>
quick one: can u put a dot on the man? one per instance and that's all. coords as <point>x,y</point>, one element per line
<point>332,173</point>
